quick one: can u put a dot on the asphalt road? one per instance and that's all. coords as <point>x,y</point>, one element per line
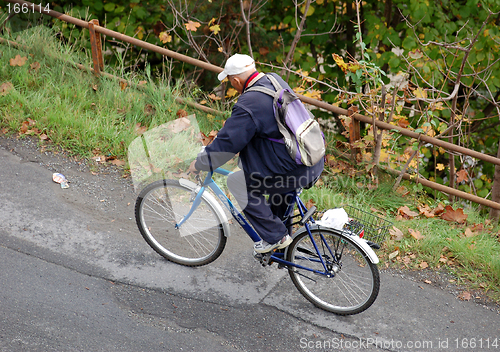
<point>76,275</point>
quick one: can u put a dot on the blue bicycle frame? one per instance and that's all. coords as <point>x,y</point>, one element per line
<point>276,256</point>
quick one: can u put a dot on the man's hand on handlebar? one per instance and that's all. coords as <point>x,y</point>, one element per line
<point>192,169</point>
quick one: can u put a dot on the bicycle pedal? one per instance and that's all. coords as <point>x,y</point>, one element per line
<point>263,258</point>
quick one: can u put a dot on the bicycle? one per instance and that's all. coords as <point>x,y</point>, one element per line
<point>336,270</point>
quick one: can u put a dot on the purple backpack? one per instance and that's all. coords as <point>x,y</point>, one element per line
<point>302,134</point>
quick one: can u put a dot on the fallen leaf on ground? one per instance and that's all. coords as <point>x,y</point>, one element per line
<point>454,215</point>
<point>35,66</point>
<point>469,232</point>
<point>423,265</point>
<point>24,127</point>
<point>465,296</point>
<point>426,211</point>
<point>415,234</point>
<point>428,282</point>
<point>396,234</point>
<point>206,140</point>
<point>140,129</point>
<point>439,209</point>
<point>5,88</point>
<point>180,124</point>
<point>406,213</point>
<point>117,162</point>
<point>393,255</point>
<point>181,113</point>
<point>18,60</point>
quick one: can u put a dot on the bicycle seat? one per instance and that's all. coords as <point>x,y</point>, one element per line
<point>312,183</point>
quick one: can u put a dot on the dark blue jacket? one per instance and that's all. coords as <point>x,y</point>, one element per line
<point>246,132</point>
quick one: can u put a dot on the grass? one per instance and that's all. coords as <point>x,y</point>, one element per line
<point>90,116</point>
<point>84,114</point>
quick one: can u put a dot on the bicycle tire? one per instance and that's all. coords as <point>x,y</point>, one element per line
<point>356,282</point>
<point>161,205</point>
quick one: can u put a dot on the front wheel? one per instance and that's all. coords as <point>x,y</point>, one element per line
<point>161,206</point>
<point>350,283</point>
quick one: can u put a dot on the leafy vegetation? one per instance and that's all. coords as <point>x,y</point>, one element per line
<point>43,94</point>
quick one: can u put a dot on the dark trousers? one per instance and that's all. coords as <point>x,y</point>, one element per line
<point>266,215</point>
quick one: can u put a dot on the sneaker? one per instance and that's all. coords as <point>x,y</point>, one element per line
<point>264,247</point>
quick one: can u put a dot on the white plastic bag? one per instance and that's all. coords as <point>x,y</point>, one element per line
<point>334,218</point>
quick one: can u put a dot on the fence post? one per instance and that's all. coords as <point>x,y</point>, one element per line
<point>95,43</point>
<point>354,132</point>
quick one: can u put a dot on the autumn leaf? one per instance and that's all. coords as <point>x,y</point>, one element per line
<point>44,137</point>
<point>440,167</point>
<point>231,92</point>
<point>425,210</point>
<point>192,26</point>
<point>403,123</point>
<point>180,124</point>
<point>340,62</point>
<point>424,265</point>
<point>165,37</point>
<point>181,113</point>
<point>469,232</point>
<point>215,28</point>
<point>462,176</point>
<point>123,85</point>
<point>18,60</point>
<point>465,296</point>
<point>420,93</point>
<point>140,129</point>
<point>310,204</point>
<point>264,50</point>
<point>118,162</point>
<point>24,127</point>
<point>415,54</point>
<point>393,255</point>
<point>214,97</point>
<point>206,140</point>
<point>35,66</point>
<point>406,213</point>
<point>454,215</point>
<point>396,234</point>
<point>5,88</point>
<point>314,94</point>
<point>439,209</point>
<point>415,234</point>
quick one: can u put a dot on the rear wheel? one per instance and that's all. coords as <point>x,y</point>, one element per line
<point>352,283</point>
<point>161,206</point>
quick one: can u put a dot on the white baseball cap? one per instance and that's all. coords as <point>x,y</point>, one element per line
<point>236,64</point>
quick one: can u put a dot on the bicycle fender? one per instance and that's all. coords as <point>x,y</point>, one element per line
<point>213,201</point>
<point>370,253</point>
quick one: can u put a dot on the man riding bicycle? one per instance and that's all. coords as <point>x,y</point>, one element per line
<point>266,166</point>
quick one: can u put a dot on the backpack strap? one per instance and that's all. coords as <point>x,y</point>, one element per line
<point>274,82</point>
<point>264,90</point>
